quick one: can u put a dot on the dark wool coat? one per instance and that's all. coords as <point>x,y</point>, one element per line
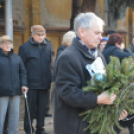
<point>70,100</point>
<point>130,48</point>
<point>12,74</point>
<point>37,59</point>
<point>111,50</point>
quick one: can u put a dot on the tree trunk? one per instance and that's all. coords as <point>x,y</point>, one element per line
<point>76,8</point>
<point>87,6</point>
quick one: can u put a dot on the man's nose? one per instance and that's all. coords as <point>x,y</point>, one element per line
<point>99,36</point>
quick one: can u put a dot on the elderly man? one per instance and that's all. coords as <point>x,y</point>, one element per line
<point>12,80</point>
<point>36,55</point>
<point>72,75</point>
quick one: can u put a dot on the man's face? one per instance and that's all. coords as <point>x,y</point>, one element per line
<point>6,46</point>
<point>92,37</point>
<point>39,36</point>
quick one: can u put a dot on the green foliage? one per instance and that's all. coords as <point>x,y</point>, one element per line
<point>119,79</point>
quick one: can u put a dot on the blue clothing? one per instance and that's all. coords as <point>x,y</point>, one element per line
<point>111,50</point>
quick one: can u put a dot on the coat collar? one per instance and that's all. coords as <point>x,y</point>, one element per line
<point>35,43</point>
<point>4,54</point>
<point>80,48</point>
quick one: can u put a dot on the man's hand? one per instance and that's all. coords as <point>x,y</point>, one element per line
<point>123,115</point>
<point>24,89</point>
<point>104,99</point>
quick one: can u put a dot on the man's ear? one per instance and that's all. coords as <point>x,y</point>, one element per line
<point>81,32</point>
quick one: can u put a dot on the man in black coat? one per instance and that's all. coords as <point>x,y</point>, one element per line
<point>12,79</point>
<point>72,76</point>
<point>36,55</point>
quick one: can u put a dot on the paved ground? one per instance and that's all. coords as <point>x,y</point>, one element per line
<point>48,121</point>
<point>49,127</point>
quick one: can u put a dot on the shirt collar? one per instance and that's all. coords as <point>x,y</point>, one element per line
<point>92,51</point>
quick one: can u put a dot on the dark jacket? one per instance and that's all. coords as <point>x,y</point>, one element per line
<point>60,50</point>
<point>12,74</point>
<point>130,48</point>
<point>111,50</point>
<point>70,100</point>
<point>37,59</point>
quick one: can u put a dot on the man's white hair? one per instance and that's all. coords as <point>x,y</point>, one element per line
<point>68,37</point>
<point>86,21</point>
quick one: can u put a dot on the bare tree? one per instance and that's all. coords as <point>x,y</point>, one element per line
<point>77,7</point>
<point>88,6</point>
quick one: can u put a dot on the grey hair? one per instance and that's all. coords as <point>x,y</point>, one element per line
<point>68,37</point>
<point>86,21</point>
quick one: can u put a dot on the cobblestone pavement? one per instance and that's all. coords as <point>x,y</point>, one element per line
<point>48,126</point>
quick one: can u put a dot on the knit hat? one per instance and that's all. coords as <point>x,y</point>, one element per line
<point>37,28</point>
<point>104,39</point>
<point>5,38</point>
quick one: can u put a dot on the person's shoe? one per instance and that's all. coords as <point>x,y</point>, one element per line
<point>40,132</point>
<point>5,132</point>
<point>48,115</point>
<point>29,132</point>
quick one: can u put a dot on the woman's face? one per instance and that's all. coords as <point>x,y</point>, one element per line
<point>102,45</point>
<point>118,45</point>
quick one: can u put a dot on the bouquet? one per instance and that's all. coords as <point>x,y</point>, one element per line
<point>118,79</point>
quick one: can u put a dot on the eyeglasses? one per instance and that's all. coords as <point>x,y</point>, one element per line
<point>8,44</point>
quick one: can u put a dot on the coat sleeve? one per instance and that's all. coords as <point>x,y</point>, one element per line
<point>22,73</point>
<point>121,55</point>
<point>21,53</point>
<point>69,85</point>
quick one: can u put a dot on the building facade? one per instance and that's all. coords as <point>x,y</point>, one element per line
<point>55,16</point>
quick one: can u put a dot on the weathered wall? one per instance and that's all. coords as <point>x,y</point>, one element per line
<point>124,24</point>
<point>18,12</point>
<point>56,13</point>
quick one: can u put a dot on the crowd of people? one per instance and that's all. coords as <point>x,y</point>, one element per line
<point>33,70</point>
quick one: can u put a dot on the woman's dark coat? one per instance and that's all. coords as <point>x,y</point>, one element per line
<point>70,100</point>
<point>111,50</point>
<point>60,50</point>
<point>12,74</point>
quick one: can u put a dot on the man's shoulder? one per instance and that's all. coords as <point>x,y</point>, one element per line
<point>48,40</point>
<point>70,51</point>
<point>26,44</point>
<point>16,56</point>
<point>69,54</point>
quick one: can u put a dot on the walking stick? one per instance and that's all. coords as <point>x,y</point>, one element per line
<point>28,112</point>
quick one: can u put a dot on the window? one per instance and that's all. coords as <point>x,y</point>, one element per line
<point>2,11</point>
